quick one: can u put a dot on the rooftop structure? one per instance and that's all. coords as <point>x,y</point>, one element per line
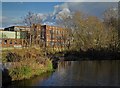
<point>17,28</point>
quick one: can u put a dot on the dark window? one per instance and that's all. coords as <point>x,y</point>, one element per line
<point>42,33</point>
<point>15,42</point>
<point>11,42</point>
<point>56,31</point>
<point>5,42</point>
<point>51,34</point>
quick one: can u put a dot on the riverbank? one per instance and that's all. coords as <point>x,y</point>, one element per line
<point>86,55</point>
<point>77,73</point>
<point>28,62</point>
<point>24,63</point>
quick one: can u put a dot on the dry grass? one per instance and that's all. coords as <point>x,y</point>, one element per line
<point>32,62</point>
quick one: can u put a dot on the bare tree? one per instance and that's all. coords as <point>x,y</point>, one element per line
<point>29,20</point>
<point>110,17</point>
<point>66,22</point>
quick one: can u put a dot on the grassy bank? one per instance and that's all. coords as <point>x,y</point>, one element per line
<point>26,62</point>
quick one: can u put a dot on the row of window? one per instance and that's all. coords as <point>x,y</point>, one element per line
<point>52,32</point>
<point>10,42</point>
<point>56,32</point>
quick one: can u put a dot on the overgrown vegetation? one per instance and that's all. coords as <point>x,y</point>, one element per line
<point>26,62</point>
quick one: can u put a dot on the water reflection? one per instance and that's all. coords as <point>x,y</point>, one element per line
<point>34,81</point>
<point>88,73</point>
<point>79,73</point>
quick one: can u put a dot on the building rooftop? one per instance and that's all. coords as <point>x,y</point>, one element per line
<point>17,28</point>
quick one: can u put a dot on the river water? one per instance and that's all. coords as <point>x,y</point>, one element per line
<point>79,73</point>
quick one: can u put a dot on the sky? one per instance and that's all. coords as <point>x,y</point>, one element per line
<point>13,12</point>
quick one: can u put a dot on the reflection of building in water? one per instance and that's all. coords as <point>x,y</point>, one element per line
<point>63,66</point>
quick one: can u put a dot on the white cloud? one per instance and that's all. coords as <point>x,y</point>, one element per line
<point>65,12</point>
<point>59,8</point>
<point>96,8</point>
<point>67,9</point>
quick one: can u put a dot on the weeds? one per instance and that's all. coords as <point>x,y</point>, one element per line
<point>26,63</point>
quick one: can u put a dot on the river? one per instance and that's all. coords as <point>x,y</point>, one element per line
<point>79,73</point>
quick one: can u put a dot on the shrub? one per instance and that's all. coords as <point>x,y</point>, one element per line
<point>20,72</point>
<point>27,63</point>
<point>12,57</point>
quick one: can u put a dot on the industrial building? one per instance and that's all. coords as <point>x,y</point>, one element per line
<point>53,36</point>
<point>13,36</point>
<point>37,34</point>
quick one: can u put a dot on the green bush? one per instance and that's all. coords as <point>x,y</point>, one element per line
<point>21,72</point>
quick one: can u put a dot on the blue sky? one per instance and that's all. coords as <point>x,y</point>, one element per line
<point>20,8</point>
<point>12,12</point>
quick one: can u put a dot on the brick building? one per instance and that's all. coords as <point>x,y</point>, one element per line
<point>44,35</point>
<point>35,32</point>
<point>54,37</point>
<point>13,36</point>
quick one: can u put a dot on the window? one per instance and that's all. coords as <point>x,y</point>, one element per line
<point>51,31</point>
<point>5,42</point>
<point>15,42</point>
<point>51,34</point>
<point>51,43</point>
<point>59,32</point>
<point>42,33</point>
<point>58,43</point>
<point>59,37</point>
<point>35,28</point>
<point>10,41</point>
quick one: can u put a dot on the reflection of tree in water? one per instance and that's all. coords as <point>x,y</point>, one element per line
<point>99,72</point>
<point>64,64</point>
<point>63,67</point>
<point>34,81</point>
<point>104,72</point>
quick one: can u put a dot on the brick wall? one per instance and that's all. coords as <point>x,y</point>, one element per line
<point>54,36</point>
<point>10,42</point>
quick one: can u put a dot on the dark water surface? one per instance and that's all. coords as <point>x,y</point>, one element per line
<point>79,73</point>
